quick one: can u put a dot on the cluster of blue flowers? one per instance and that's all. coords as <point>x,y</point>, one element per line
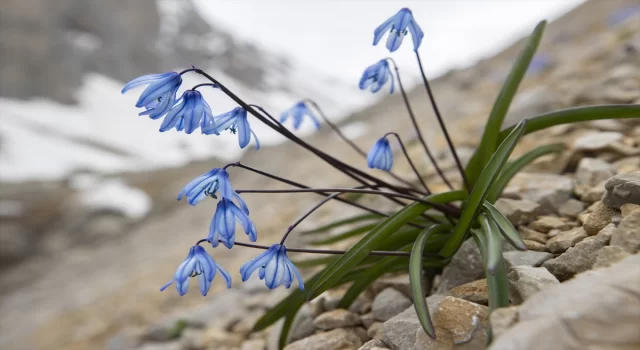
<point>190,111</point>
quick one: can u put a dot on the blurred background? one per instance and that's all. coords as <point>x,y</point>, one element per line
<point>89,225</point>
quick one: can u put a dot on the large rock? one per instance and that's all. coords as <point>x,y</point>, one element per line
<point>564,240</point>
<point>592,171</point>
<point>337,339</point>
<point>549,190</point>
<point>547,223</point>
<point>459,324</point>
<point>525,281</point>
<point>502,319</point>
<point>571,208</point>
<point>599,309</point>
<point>303,324</point>
<point>476,291</point>
<point>518,211</point>
<point>339,318</point>
<point>609,255</point>
<point>599,218</point>
<point>627,234</point>
<point>389,303</point>
<point>621,189</point>
<point>465,266</point>
<point>529,258</point>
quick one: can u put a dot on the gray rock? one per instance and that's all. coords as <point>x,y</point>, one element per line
<point>476,292</point>
<point>577,259</point>
<point>592,171</point>
<point>571,208</point>
<point>525,281</point>
<point>547,223</point>
<point>465,266</point>
<point>518,211</point>
<point>254,344</point>
<point>502,319</point>
<point>455,321</point>
<point>593,194</point>
<point>530,103</point>
<point>532,235</point>
<point>375,331</point>
<point>570,315</point>
<point>374,344</point>
<point>336,339</point>
<point>598,219</point>
<point>621,189</point>
<point>14,242</point>
<point>389,303</point>
<point>338,318</point>
<point>596,141</point>
<point>128,338</point>
<point>303,324</point>
<point>367,320</point>
<point>564,240</point>
<point>535,246</point>
<point>627,234</point>
<point>193,339</point>
<point>628,208</point>
<point>528,258</point>
<point>398,282</point>
<point>609,255</point>
<point>551,191</point>
<point>174,345</point>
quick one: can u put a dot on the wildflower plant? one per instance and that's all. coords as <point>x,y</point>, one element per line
<point>424,231</point>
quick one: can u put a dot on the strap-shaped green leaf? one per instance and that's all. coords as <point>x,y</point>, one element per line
<point>494,242</point>
<point>497,282</point>
<point>490,140</point>
<point>347,221</point>
<point>506,228</point>
<point>342,236</point>
<point>512,168</point>
<point>415,278</point>
<point>359,285</point>
<point>473,204</point>
<point>334,272</point>
<point>286,327</point>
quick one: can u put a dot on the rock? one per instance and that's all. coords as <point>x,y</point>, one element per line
<point>337,339</point>
<point>362,304</point>
<point>551,191</point>
<point>455,321</point>
<point>338,318</point>
<point>367,320</point>
<point>590,172</point>
<point>502,319</point>
<point>389,303</point>
<point>399,282</point>
<point>535,246</point>
<point>596,141</point>
<point>374,344</point>
<point>598,219</point>
<point>571,208</point>
<point>128,338</point>
<point>547,223</point>
<point>329,299</point>
<point>627,208</point>
<point>222,339</point>
<point>375,331</point>
<point>14,242</point>
<point>360,332</point>
<point>525,281</point>
<point>528,258</point>
<point>476,292</point>
<point>193,339</point>
<point>254,344</point>
<point>518,211</point>
<point>165,330</point>
<point>593,194</point>
<point>465,266</point>
<point>303,324</point>
<point>530,103</point>
<point>621,189</point>
<point>579,258</point>
<point>174,345</point>
<point>627,234</point>
<point>566,239</point>
<point>627,165</point>
<point>609,255</point>
<point>532,235</point>
<point>572,315</point>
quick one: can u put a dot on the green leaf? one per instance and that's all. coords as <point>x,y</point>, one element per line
<point>344,235</point>
<point>490,140</point>
<point>494,242</point>
<point>359,285</point>
<point>351,220</point>
<point>415,278</point>
<point>508,231</point>
<point>497,282</point>
<point>286,327</point>
<point>382,231</point>
<point>473,204</point>
<point>512,168</point>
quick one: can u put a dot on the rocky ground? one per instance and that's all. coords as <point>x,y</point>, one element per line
<point>577,287</point>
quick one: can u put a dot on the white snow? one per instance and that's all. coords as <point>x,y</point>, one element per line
<point>111,194</point>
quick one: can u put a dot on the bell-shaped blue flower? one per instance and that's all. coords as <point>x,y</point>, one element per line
<point>223,225</point>
<point>210,183</point>
<point>380,156</point>
<point>274,267</point>
<point>197,264</point>
<point>298,112</point>
<point>376,75</point>
<point>236,121</point>
<point>192,112</point>
<point>397,27</point>
<point>159,96</point>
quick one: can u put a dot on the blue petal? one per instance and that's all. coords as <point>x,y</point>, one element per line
<point>255,137</point>
<point>227,223</point>
<point>297,274</point>
<point>197,113</point>
<point>248,268</point>
<point>394,40</point>
<point>416,34</point>
<point>167,284</point>
<point>214,235</point>
<point>244,131</point>
<point>159,88</point>
<point>379,32</point>
<point>145,79</point>
<point>225,275</point>
<point>245,222</point>
<point>274,272</point>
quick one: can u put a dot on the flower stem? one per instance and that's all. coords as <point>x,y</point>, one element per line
<point>309,212</point>
<point>406,154</point>
<point>204,84</point>
<point>442,126</point>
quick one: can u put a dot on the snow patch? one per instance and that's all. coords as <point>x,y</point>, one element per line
<point>111,194</point>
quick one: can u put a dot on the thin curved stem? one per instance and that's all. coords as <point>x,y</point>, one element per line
<point>406,154</point>
<point>192,69</point>
<point>309,212</point>
<point>442,126</point>
<point>415,126</point>
<point>204,84</point>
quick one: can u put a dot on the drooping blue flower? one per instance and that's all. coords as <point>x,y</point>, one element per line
<point>298,112</point>
<point>236,121</point>
<point>380,156</point>
<point>159,96</point>
<point>192,112</point>
<point>197,264</point>
<point>397,26</point>
<point>210,183</point>
<point>223,224</point>
<point>376,75</point>
<point>274,267</point>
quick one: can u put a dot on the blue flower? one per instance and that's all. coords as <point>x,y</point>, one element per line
<point>197,264</point>
<point>236,121</point>
<point>298,112</point>
<point>223,225</point>
<point>159,96</point>
<point>275,268</point>
<point>380,156</point>
<point>376,75</point>
<point>192,112</point>
<point>397,26</point>
<point>208,184</point>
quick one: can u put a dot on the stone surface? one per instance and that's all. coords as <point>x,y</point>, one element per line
<point>549,190</point>
<point>593,194</point>
<point>563,240</point>
<point>375,331</point>
<point>609,255</point>
<point>465,266</point>
<point>337,339</point>
<point>547,223</point>
<point>338,318</point>
<point>627,208</point>
<point>518,211</point>
<point>367,320</point>
<point>456,322</point>
<point>525,281</point>
<point>571,208</point>
<point>621,189</point>
<point>570,315</point>
<point>627,234</point>
<point>254,344</point>
<point>303,324</point>
<point>389,303</point>
<point>592,171</point>
<point>532,235</point>
<point>475,291</point>
<point>535,246</point>
<point>373,344</point>
<point>398,282</point>
<point>528,258</point>
<point>579,258</point>
<point>596,141</point>
<point>502,319</point>
<point>599,218</point>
